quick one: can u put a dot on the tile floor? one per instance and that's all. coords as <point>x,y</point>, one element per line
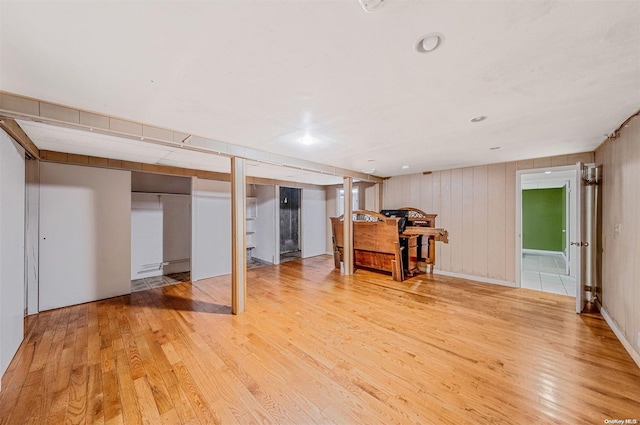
<point>159,281</point>
<point>253,263</point>
<point>546,273</point>
<point>290,256</point>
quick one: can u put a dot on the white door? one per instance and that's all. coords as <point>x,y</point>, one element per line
<point>85,234</point>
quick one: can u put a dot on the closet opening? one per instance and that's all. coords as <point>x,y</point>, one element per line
<point>290,223</point>
<point>160,230</point>
<point>261,225</point>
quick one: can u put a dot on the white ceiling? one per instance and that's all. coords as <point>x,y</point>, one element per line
<point>551,76</point>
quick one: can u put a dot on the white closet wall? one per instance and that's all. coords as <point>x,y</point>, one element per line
<point>85,234</point>
<point>211,237</point>
<point>146,235</point>
<point>12,273</point>
<point>176,233</point>
<point>314,222</point>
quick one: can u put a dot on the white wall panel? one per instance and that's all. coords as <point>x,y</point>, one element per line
<point>146,235</point>
<point>371,201</point>
<point>85,234</point>
<point>12,272</point>
<point>480,220</point>
<point>211,229</point>
<point>176,230</point>
<point>265,223</point>
<point>313,223</point>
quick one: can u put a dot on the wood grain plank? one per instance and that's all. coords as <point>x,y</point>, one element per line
<point>480,220</point>
<point>95,407</point>
<point>456,226</point>
<point>444,220</point>
<point>146,401</point>
<point>77,399</point>
<point>413,188</point>
<point>510,222</point>
<point>126,390</point>
<point>468,214</point>
<point>496,227</point>
<point>426,200</point>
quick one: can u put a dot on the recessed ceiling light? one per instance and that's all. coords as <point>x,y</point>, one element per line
<point>371,160</point>
<point>307,140</point>
<point>371,6</point>
<point>369,171</point>
<point>429,42</point>
<point>547,172</point>
<point>478,118</point>
<point>495,148</point>
<point>404,167</point>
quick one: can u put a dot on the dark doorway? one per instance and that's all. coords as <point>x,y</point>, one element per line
<point>289,223</point>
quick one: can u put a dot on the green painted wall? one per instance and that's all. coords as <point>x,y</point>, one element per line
<point>543,219</point>
<point>564,218</point>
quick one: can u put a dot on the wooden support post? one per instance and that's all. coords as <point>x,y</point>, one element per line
<point>238,236</point>
<point>347,250</point>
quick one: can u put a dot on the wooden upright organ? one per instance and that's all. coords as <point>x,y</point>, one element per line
<point>423,226</point>
<point>395,241</point>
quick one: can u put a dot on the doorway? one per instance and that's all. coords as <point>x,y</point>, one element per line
<point>160,230</point>
<point>546,223</point>
<point>289,223</point>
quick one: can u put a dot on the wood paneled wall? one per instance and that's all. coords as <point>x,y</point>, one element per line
<point>477,205</point>
<point>620,188</point>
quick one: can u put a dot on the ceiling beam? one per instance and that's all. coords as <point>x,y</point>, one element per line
<point>117,164</point>
<point>14,130</point>
<point>22,107</point>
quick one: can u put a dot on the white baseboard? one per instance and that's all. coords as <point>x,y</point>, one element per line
<point>626,344</point>
<point>476,278</point>
<point>541,252</point>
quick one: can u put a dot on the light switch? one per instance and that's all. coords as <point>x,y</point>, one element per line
<point>617,228</point>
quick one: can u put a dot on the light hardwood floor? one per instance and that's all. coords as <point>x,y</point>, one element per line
<point>317,347</point>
